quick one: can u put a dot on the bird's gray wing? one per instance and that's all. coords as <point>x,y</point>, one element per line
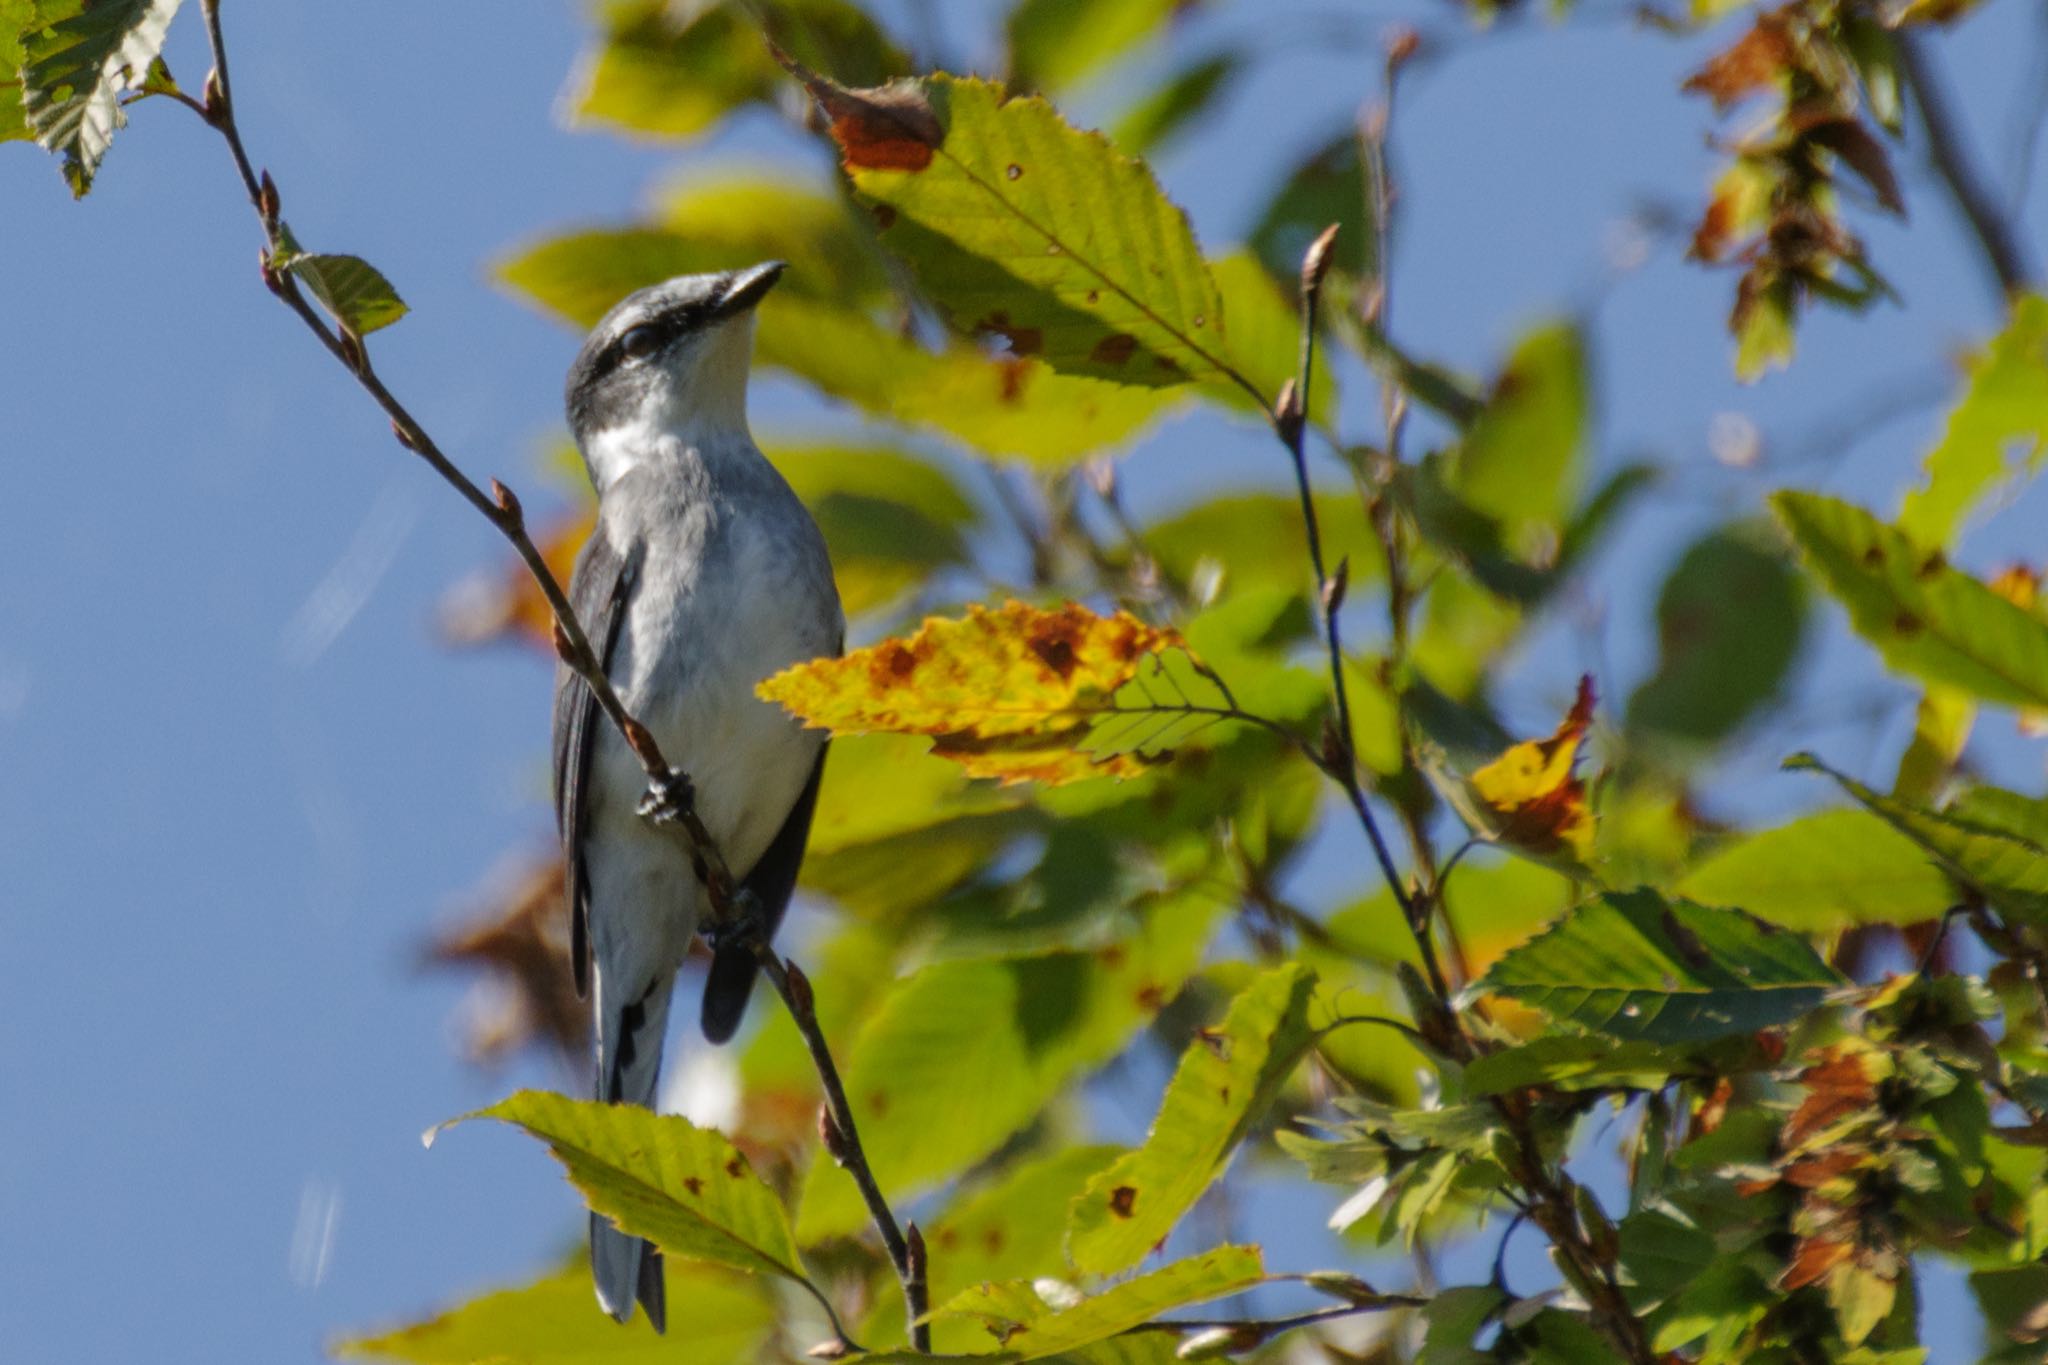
<point>598,591</point>
<point>772,881</point>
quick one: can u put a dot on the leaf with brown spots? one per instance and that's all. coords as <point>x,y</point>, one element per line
<point>1014,221</point>
<point>1756,59</point>
<point>662,1178</point>
<point>1842,1084</point>
<point>1018,693</point>
<point>1221,1088</point>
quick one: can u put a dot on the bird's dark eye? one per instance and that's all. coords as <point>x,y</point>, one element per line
<point>639,342</point>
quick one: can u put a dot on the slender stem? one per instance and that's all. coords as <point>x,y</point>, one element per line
<point>1994,235</point>
<point>503,511</point>
<point>1249,1332</point>
<point>842,1140</point>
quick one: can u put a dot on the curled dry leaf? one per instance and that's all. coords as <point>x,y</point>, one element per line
<point>1019,693</point>
<point>1532,794</point>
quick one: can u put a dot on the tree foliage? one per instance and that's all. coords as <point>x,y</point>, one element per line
<point>1068,802</point>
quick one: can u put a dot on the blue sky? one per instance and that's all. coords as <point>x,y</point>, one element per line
<point>242,779</point>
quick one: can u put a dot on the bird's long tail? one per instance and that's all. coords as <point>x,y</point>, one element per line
<point>629,1038</point>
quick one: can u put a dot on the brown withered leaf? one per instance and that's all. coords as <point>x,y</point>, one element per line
<point>1755,60</point>
<point>1848,139</point>
<point>1815,1260</point>
<point>1019,693</point>
<point>1843,1082</point>
<point>518,937</point>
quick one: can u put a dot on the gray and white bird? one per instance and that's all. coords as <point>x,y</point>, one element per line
<point>705,575</point>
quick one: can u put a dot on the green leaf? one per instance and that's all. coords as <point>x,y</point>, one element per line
<point>1926,618</point>
<point>672,71</point>
<point>1054,43</point>
<point>1994,808</point>
<point>1729,621</point>
<point>1224,1083</point>
<point>1522,460</point>
<point>1255,541</point>
<point>75,71</point>
<point>354,293</point>
<point>706,223</point>
<point>685,1188</point>
<point>553,1321</point>
<point>2010,872</point>
<point>1002,406</point>
<point>1017,224</point>
<point>1023,1322</point>
<point>1824,872</point>
<point>1573,1062</point>
<point>1454,1317</point>
<point>1662,1254</point>
<point>2003,413</point>
<point>890,519</point>
<point>1170,109</point>
<point>1635,966</point>
<point>1329,187</point>
<point>962,1054</point>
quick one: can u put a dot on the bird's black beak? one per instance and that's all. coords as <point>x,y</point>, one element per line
<point>749,286</point>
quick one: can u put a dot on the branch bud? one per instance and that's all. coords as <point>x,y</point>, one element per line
<point>641,742</point>
<point>1315,262</point>
<point>403,437</point>
<point>1287,413</point>
<point>508,503</point>
<point>266,198</point>
<point>829,1134</point>
<point>1214,1343</point>
<point>1102,477</point>
<point>273,279</point>
<point>1403,42</point>
<point>213,101</point>
<point>1339,1285</point>
<point>1336,754</point>
<point>1334,590</point>
<point>835,1349</point>
<point>802,1001</point>
<point>353,353</point>
<point>916,1261</point>
<point>564,650</point>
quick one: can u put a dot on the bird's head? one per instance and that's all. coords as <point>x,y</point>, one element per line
<point>670,358</point>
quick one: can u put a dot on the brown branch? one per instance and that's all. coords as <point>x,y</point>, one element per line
<point>1994,235</point>
<point>841,1137</point>
<point>671,787</point>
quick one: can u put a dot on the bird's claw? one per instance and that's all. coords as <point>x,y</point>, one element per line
<point>668,799</point>
<point>745,925</point>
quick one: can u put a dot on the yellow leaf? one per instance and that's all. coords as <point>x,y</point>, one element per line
<point>1020,693</point>
<point>1532,793</point>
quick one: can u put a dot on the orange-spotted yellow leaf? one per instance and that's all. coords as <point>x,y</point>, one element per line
<point>1532,796</point>
<point>1018,692</point>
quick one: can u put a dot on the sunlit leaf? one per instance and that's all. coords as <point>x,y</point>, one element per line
<point>962,1054</point>
<point>1999,427</point>
<point>666,70</point>
<point>1925,617</point>
<point>1023,1322</point>
<point>1226,1079</point>
<point>1729,621</point>
<point>1054,43</point>
<point>1183,99</point>
<point>1635,966</point>
<point>1265,340</point>
<point>1256,541</point>
<point>1823,872</point>
<point>685,1188</point>
<point>1000,405</point>
<point>1020,226</point>
<point>1532,798</point>
<point>1998,860</point>
<point>890,519</point>
<point>1573,1062</point>
<point>1522,459</point>
<point>1019,693</point>
<point>554,1321</point>
<point>354,292</point>
<point>76,63</point>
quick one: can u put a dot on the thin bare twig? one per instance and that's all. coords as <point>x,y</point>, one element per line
<point>1242,1334</point>
<point>1994,235</point>
<point>502,509</point>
